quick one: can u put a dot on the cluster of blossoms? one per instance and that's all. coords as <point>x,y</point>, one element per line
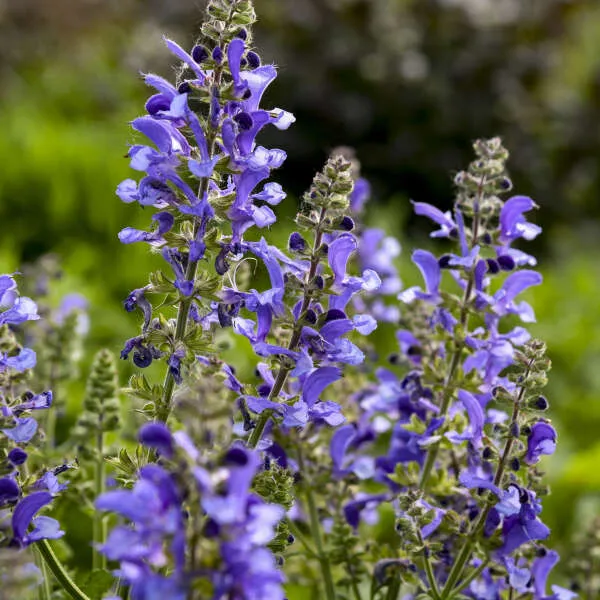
<point>464,419</point>
<point>244,488</point>
<point>23,493</point>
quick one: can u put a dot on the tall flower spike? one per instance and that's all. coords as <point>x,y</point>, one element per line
<point>202,166</point>
<point>446,416</point>
<point>308,360</point>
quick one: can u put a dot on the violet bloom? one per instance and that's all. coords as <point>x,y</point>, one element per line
<point>430,269</point>
<point>541,440</point>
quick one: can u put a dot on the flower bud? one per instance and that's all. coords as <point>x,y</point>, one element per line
<point>199,54</point>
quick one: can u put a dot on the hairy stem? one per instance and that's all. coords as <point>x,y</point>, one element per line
<point>429,568</point>
<point>283,371</point>
<point>59,571</point>
<point>465,552</point>
<point>455,361</point>
<point>99,530</point>
<point>44,589</point>
<point>315,530</point>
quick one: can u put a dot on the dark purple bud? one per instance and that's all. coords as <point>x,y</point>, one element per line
<point>244,120</point>
<point>211,528</point>
<point>217,55</point>
<point>158,437</point>
<point>310,316</point>
<point>393,359</point>
<point>486,238</point>
<point>142,357</point>
<point>334,314</point>
<point>253,59</point>
<point>319,282</point>
<point>515,464</point>
<point>184,87</point>
<point>444,261</point>
<point>346,224</point>
<point>453,233</point>
<point>487,453</point>
<point>540,403</point>
<point>296,242</point>
<point>236,456</point>
<point>291,539</point>
<point>17,456</point>
<point>243,62</point>
<point>264,389</point>
<point>221,264</point>
<point>492,266</point>
<point>200,54</point>
<point>224,315</point>
<point>242,34</point>
<point>541,552</point>
<point>505,183</point>
<point>324,249</point>
<point>506,262</point>
<point>246,95</point>
<point>514,430</point>
<point>174,363</point>
<point>9,491</point>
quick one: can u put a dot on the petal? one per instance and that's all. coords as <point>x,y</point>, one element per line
<point>430,269</point>
<point>317,381</point>
<point>23,432</point>
<point>339,253</point>
<point>157,436</point>
<point>182,55</point>
<point>25,511</point>
<point>338,446</point>
<point>45,528</point>
<point>235,49</point>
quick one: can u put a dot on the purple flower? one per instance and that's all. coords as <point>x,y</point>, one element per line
<point>447,226</point>
<point>23,516</point>
<point>513,224</point>
<point>430,269</point>
<point>157,436</point>
<point>9,491</point>
<point>541,440</point>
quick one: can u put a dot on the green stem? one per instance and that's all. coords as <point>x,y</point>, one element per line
<point>297,533</point>
<point>283,372</point>
<point>429,569</point>
<point>472,577</point>
<point>98,559</point>
<point>455,361</point>
<point>59,571</point>
<point>393,589</point>
<point>315,530</point>
<point>465,552</point>
<point>45,589</point>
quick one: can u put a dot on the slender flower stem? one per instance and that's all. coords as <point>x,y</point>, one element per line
<point>428,568</point>
<point>394,589</point>
<point>44,589</point>
<point>98,559</point>
<point>315,529</point>
<point>465,552</point>
<point>455,361</point>
<point>283,371</point>
<point>297,533</point>
<point>472,577</point>
<point>59,571</point>
<point>164,409</point>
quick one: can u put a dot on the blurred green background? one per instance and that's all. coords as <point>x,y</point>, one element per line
<point>408,83</point>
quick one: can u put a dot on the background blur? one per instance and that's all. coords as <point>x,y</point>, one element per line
<point>408,83</point>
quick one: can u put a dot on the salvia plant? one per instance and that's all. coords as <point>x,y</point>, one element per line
<point>323,474</point>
